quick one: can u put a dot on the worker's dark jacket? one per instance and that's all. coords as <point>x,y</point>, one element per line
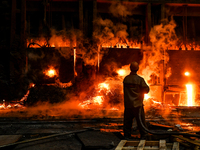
<point>134,89</point>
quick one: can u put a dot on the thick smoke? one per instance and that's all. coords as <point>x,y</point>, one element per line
<point>104,33</point>
<point>109,34</point>
<point>121,10</point>
<point>64,41</point>
<point>162,37</point>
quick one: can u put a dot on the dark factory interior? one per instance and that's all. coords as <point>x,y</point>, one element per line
<point>62,68</point>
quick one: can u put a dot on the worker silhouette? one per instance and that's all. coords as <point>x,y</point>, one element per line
<point>134,87</point>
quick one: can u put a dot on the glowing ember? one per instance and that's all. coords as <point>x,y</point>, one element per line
<point>190,96</point>
<point>114,108</point>
<point>32,85</point>
<point>2,105</point>
<point>55,41</point>
<point>98,100</point>
<point>51,72</point>
<point>103,86</point>
<point>187,73</point>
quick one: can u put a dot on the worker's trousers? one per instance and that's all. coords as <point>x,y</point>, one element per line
<point>129,115</point>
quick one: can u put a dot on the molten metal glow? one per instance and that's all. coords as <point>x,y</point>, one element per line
<point>190,96</point>
<point>51,72</point>
<point>146,96</point>
<point>187,73</point>
<point>121,72</point>
<point>103,85</point>
<point>98,100</point>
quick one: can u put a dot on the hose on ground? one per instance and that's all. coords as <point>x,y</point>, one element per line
<point>164,132</point>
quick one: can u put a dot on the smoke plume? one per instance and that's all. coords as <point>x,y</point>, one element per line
<point>155,56</point>
<point>120,10</point>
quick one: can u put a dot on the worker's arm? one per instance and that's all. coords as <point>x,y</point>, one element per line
<point>144,87</point>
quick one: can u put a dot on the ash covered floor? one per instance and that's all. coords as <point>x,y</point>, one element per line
<point>101,133</point>
<point>42,135</point>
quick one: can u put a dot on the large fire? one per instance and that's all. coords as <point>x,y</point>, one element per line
<point>99,98</point>
<point>57,41</point>
<point>102,90</point>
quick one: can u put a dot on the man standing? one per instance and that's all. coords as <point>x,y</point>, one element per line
<point>134,89</point>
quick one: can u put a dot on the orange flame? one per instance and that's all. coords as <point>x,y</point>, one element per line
<point>103,85</point>
<point>99,99</point>
<point>55,41</point>
<point>128,44</point>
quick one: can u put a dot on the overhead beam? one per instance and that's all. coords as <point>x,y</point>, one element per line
<point>178,11</point>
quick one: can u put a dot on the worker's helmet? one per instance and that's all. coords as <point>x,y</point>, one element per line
<point>134,66</point>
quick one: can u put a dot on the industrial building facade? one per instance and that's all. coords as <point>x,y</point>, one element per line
<point>170,28</point>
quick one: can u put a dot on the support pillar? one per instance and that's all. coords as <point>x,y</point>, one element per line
<point>13,22</point>
<point>81,15</point>
<point>23,24</point>
<point>185,26</point>
<point>162,78</point>
<point>94,14</point>
<point>163,66</point>
<point>162,12</point>
<point>148,22</point>
<point>63,23</point>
